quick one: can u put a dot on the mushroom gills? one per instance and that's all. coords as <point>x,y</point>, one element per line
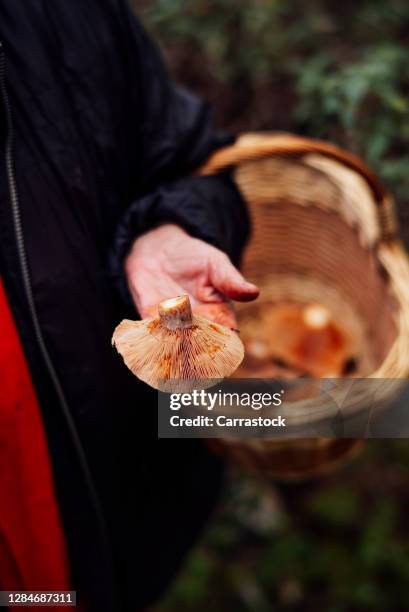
<point>178,351</point>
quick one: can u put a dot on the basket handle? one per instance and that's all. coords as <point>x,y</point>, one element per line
<point>253,146</point>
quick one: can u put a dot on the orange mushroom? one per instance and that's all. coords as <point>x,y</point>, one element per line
<point>178,351</point>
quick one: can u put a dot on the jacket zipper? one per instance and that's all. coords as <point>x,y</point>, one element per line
<point>26,277</point>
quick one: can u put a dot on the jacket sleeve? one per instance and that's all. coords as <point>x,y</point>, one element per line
<point>175,135</point>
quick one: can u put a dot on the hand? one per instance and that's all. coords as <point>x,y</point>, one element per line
<point>166,262</point>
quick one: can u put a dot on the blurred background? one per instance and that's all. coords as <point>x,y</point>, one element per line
<point>338,71</point>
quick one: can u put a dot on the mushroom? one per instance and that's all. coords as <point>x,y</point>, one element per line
<point>178,351</point>
<point>316,316</point>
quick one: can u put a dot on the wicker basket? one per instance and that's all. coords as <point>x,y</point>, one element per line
<point>324,231</point>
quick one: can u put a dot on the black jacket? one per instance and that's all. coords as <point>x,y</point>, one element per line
<point>96,142</point>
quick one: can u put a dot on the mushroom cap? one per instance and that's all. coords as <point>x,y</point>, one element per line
<point>178,351</point>
<point>316,316</point>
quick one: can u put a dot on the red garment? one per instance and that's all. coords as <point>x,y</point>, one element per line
<point>32,548</point>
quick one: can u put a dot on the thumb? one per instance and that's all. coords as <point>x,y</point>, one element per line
<point>228,280</point>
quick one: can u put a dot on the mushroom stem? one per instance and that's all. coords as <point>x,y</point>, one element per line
<point>176,313</point>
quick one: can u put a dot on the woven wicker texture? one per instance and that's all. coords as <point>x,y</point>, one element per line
<point>323,231</point>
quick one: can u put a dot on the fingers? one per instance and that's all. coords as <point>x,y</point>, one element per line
<point>226,279</point>
<point>149,312</point>
<point>148,289</point>
<point>219,313</point>
<point>208,293</point>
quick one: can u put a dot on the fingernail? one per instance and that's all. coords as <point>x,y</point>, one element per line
<point>249,286</point>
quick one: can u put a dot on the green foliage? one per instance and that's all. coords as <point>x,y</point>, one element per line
<point>323,68</point>
<point>343,546</point>
<point>338,507</point>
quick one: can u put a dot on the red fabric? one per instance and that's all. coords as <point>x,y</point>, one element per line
<point>32,548</point>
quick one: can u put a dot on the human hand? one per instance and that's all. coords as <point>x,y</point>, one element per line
<point>166,262</point>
